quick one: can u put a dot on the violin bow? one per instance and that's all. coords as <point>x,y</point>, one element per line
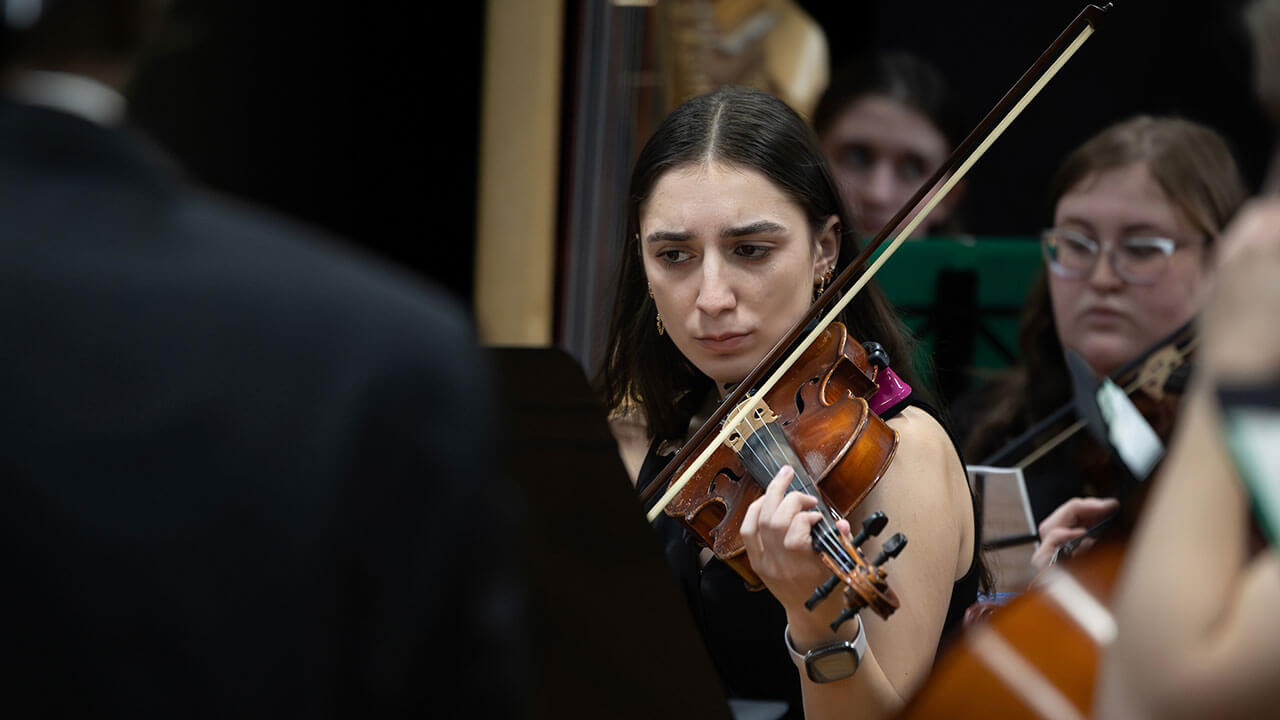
<point>733,409</point>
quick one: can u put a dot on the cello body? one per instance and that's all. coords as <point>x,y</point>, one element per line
<point>1035,657</point>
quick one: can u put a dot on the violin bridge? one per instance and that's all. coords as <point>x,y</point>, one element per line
<point>760,416</point>
<point>1156,371</point>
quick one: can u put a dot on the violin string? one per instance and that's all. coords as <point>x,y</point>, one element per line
<point>824,533</point>
<point>773,465</point>
<point>803,482</point>
<point>825,536</point>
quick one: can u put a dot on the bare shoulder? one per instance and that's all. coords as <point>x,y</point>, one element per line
<point>925,468</point>
<point>927,487</point>
<point>924,441</point>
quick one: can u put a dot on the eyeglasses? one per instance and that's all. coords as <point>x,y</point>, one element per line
<point>1138,260</point>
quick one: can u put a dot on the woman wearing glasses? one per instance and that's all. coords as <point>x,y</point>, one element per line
<point>1136,211</point>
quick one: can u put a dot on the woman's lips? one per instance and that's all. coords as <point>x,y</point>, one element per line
<point>723,343</point>
<point>1103,317</point>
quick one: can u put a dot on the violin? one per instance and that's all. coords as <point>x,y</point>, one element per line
<point>818,421</point>
<point>1154,382</point>
<point>805,403</point>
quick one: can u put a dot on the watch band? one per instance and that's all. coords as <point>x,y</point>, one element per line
<point>808,662</point>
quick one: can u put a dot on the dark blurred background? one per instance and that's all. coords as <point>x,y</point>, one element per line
<point>1151,56</point>
<point>361,119</point>
<point>366,122</point>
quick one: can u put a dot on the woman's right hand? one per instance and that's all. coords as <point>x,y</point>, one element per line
<point>1071,520</point>
<point>776,534</point>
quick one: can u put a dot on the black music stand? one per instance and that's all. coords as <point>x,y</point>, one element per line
<point>611,633</point>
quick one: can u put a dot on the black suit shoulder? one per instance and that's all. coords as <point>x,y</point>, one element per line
<point>242,461</point>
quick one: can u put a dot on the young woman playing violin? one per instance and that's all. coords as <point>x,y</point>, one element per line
<point>1136,212</point>
<point>734,223</point>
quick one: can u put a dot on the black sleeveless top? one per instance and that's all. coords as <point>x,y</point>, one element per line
<point>742,630</point>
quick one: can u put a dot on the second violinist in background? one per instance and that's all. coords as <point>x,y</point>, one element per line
<point>734,224</point>
<point>1137,211</point>
<point>887,123</point>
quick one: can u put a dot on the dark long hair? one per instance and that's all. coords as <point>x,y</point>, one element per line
<point>745,128</point>
<point>1194,166</point>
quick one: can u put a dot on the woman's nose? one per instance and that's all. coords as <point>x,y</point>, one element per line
<point>715,293</point>
<point>881,184</point>
<point>1103,276</point>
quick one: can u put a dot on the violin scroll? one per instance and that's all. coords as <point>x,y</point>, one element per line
<point>865,582</point>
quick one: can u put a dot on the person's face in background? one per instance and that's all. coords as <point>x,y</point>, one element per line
<point>732,262</point>
<point>1104,317</point>
<point>881,151</point>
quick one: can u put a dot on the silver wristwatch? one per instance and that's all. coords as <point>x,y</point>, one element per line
<point>833,662</point>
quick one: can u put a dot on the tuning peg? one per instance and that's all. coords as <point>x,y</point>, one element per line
<point>890,549</point>
<point>871,527</point>
<point>876,354</point>
<point>845,616</point>
<point>822,592</point>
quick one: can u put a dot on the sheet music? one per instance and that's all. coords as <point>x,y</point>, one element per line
<point>1008,526</point>
<point>1006,505</point>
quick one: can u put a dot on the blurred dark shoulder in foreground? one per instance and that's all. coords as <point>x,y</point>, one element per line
<point>242,464</point>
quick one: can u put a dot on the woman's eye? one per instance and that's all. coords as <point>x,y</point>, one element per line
<point>674,256</point>
<point>1142,252</point>
<point>752,251</point>
<point>911,168</point>
<point>1148,247</point>
<point>856,157</point>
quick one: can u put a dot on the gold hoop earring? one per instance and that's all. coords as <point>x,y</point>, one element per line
<point>655,310</point>
<point>822,285</point>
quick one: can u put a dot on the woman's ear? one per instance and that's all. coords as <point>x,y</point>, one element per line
<point>826,248</point>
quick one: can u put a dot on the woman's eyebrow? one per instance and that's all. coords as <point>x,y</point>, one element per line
<point>755,228</point>
<point>1145,227</point>
<point>668,236</point>
<point>1089,229</point>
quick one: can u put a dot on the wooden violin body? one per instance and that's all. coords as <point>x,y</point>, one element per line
<point>821,408</point>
